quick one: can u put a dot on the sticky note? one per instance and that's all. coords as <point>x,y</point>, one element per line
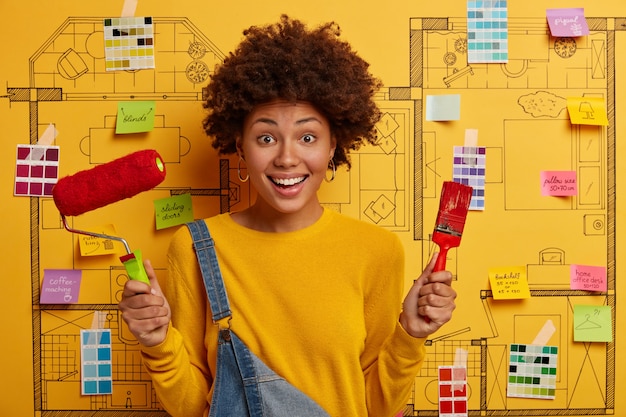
<point>60,286</point>
<point>567,23</point>
<point>587,111</point>
<point>592,323</point>
<point>135,116</point>
<point>588,278</point>
<point>96,361</point>
<point>509,283</point>
<point>532,371</point>
<point>173,211</point>
<point>444,107</point>
<point>95,246</point>
<point>558,183</point>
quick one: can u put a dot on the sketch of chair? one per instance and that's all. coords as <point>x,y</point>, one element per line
<point>71,65</point>
<point>552,256</point>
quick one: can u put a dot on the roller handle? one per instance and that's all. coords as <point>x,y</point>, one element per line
<point>133,262</point>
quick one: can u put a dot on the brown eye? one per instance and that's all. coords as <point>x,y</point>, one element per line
<point>266,139</point>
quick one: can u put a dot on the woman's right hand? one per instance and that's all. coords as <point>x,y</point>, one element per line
<point>145,309</point>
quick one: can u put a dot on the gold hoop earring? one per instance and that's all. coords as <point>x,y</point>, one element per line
<point>331,165</point>
<point>239,171</point>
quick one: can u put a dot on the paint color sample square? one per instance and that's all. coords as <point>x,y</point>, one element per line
<point>36,170</point>
<point>128,43</point>
<point>532,371</point>
<point>96,363</point>
<point>487,31</point>
<point>469,169</point>
<point>452,391</point>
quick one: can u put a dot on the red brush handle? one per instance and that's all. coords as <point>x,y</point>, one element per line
<point>440,263</point>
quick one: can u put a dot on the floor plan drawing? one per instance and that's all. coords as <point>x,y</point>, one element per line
<point>519,108</point>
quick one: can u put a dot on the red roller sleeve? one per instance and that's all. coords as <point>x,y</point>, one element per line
<point>107,183</point>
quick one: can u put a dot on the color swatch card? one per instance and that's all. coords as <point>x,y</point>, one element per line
<point>469,169</point>
<point>96,364</point>
<point>487,31</point>
<point>36,170</point>
<point>452,391</point>
<point>128,43</point>
<point>532,371</point>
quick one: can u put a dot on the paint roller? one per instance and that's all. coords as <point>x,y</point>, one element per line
<point>105,184</point>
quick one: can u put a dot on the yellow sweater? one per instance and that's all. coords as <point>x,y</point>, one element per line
<point>319,306</point>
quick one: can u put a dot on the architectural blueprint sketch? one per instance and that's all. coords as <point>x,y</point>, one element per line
<point>519,109</point>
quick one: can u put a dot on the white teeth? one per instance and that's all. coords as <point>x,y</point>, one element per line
<point>288,181</point>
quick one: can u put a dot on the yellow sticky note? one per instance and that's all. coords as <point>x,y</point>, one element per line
<point>135,116</point>
<point>587,111</point>
<point>592,323</point>
<point>508,283</point>
<point>93,246</point>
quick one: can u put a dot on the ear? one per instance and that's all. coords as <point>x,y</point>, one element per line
<point>333,146</point>
<point>238,145</point>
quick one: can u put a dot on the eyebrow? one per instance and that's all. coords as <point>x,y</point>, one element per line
<point>298,122</point>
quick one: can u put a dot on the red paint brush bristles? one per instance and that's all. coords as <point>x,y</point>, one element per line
<point>453,207</point>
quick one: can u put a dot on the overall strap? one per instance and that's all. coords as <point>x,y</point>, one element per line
<point>207,259</point>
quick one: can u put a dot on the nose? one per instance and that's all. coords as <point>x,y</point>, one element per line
<point>287,154</point>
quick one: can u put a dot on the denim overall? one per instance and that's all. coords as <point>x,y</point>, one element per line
<point>243,384</point>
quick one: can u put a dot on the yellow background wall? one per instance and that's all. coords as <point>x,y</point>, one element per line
<point>500,236</point>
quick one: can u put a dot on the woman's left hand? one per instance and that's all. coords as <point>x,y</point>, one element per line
<point>429,303</point>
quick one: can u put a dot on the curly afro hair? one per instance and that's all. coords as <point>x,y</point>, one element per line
<point>289,62</point>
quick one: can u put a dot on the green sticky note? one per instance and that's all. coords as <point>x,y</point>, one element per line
<point>173,211</point>
<point>592,323</point>
<point>135,116</point>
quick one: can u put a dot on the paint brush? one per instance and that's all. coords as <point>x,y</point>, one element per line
<point>453,207</point>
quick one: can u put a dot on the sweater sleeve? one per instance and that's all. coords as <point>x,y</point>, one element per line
<point>178,366</point>
<point>391,358</point>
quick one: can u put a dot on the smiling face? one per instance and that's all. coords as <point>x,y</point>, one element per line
<point>287,147</point>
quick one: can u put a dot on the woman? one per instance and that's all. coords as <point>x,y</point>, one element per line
<point>315,294</point>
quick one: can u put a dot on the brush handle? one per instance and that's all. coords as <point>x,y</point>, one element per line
<point>440,263</point>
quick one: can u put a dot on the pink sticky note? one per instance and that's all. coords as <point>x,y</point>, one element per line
<point>60,286</point>
<point>558,183</point>
<point>567,22</point>
<point>588,278</point>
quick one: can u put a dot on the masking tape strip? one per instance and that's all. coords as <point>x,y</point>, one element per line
<point>471,137</point>
<point>128,10</point>
<point>46,139</point>
<point>99,318</point>
<point>460,357</point>
<point>544,334</point>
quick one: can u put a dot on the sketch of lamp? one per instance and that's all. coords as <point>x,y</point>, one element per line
<point>587,108</point>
